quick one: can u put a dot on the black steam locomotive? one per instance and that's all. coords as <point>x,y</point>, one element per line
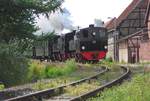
<point>88,44</point>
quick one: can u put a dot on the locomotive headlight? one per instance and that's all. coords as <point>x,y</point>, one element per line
<point>93,33</point>
<point>105,47</point>
<point>83,47</point>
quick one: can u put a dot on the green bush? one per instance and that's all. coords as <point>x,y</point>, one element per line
<point>70,66</point>
<point>59,71</point>
<point>36,71</point>
<point>16,70</point>
<point>53,72</point>
<point>136,90</point>
<point>13,68</point>
<point>109,59</point>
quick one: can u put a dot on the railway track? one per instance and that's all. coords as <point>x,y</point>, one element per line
<point>44,94</point>
<point>93,93</point>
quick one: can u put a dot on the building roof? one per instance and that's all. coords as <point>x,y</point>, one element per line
<point>132,24</point>
<point>110,23</point>
<point>124,14</point>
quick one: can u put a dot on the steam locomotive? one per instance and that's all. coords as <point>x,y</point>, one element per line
<point>87,44</point>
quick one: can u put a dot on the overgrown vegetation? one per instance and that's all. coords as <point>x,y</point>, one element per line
<point>18,70</point>
<point>2,86</point>
<point>108,63</point>
<point>41,84</point>
<point>136,90</point>
<point>81,89</point>
<point>73,75</point>
<point>58,71</point>
<point>17,25</point>
<point>38,70</point>
<point>13,67</point>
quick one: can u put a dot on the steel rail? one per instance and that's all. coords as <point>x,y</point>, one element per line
<point>39,95</point>
<point>93,93</point>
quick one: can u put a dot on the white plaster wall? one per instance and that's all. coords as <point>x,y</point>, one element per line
<point>123,52</point>
<point>110,53</point>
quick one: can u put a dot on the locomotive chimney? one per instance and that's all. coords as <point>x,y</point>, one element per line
<point>74,31</point>
<point>91,25</point>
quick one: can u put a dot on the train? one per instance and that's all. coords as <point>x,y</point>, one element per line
<point>86,44</point>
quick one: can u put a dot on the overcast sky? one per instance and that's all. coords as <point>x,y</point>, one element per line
<point>83,12</point>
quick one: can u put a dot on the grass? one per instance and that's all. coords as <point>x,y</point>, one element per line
<point>106,62</point>
<point>45,75</point>
<point>68,68</point>
<point>136,90</point>
<point>55,82</point>
<point>2,86</point>
<point>79,73</point>
<point>38,70</point>
<point>81,89</point>
<point>41,85</point>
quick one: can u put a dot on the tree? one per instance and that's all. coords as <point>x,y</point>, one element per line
<point>17,24</point>
<point>17,17</point>
<point>45,36</point>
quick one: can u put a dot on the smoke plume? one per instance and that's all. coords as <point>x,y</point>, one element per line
<point>57,22</point>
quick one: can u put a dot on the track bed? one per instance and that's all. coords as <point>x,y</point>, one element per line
<point>61,94</point>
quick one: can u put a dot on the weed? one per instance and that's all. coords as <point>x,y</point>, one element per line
<point>36,71</point>
<point>41,85</point>
<point>81,89</point>
<point>39,70</point>
<point>136,90</point>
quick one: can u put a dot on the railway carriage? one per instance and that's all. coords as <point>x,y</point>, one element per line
<point>69,45</point>
<point>40,49</point>
<point>63,46</point>
<point>55,49</point>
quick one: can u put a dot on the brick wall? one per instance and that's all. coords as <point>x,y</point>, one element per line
<point>149,25</point>
<point>144,51</point>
